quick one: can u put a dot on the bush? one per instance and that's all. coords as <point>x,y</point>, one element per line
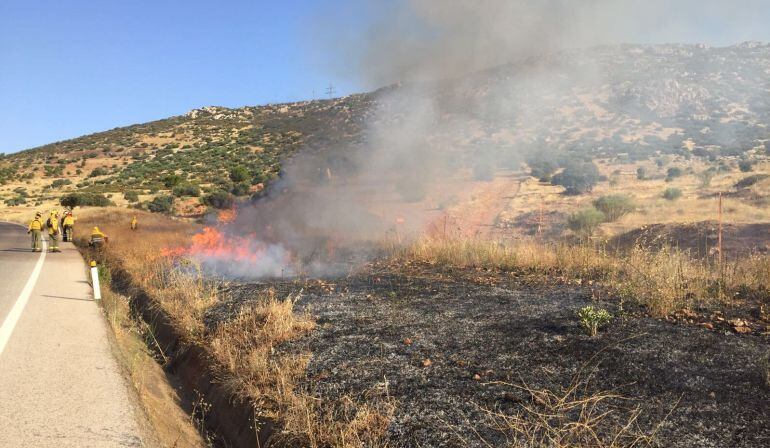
<point>542,168</point>
<point>84,200</point>
<point>18,200</point>
<point>131,196</point>
<point>98,172</point>
<point>60,183</point>
<point>161,204</point>
<point>672,194</point>
<point>615,206</point>
<point>186,189</point>
<point>751,180</point>
<point>592,319</point>
<point>172,180</point>
<point>745,166</point>
<point>673,173</point>
<point>240,189</point>
<point>578,178</point>
<point>219,199</point>
<point>586,221</point>
<point>641,173</point>
<point>239,174</point>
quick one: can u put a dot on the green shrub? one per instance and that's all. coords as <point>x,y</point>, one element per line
<point>591,319</point>
<point>672,194</point>
<point>578,177</point>
<point>219,199</point>
<point>84,199</point>
<point>673,173</point>
<point>586,221</point>
<point>745,166</point>
<point>161,204</point>
<point>99,171</point>
<point>18,200</point>
<point>60,183</point>
<point>240,189</point>
<point>171,180</point>
<point>186,189</point>
<point>751,180</point>
<point>641,173</point>
<point>239,174</point>
<point>615,206</point>
<point>131,196</point>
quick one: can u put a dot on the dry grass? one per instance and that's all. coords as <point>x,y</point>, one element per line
<point>243,349</point>
<point>663,281</point>
<point>572,417</point>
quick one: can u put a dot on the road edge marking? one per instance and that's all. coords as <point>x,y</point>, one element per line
<point>21,302</point>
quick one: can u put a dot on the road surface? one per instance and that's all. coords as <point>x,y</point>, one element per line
<point>60,385</point>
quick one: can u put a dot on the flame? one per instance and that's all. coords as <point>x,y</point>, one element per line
<point>227,216</point>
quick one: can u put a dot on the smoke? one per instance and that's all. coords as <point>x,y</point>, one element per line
<point>480,86</point>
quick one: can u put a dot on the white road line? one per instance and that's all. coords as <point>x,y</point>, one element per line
<point>13,316</point>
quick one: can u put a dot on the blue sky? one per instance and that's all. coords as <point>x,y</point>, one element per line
<point>72,67</point>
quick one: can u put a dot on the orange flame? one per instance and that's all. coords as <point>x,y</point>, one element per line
<point>227,216</point>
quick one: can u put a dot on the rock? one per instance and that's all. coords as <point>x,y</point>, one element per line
<point>426,362</point>
<point>743,330</point>
<point>477,377</point>
<point>407,341</point>
<point>707,325</point>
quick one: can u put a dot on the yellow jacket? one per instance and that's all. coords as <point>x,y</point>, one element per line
<point>35,225</point>
<point>53,229</point>
<point>69,220</point>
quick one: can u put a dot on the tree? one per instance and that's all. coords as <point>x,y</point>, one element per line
<point>542,167</point>
<point>131,196</point>
<point>673,173</point>
<point>614,206</point>
<point>172,180</point>
<point>641,173</point>
<point>84,199</point>
<point>578,177</point>
<point>186,189</point>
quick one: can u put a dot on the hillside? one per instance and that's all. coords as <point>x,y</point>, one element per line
<point>623,104</point>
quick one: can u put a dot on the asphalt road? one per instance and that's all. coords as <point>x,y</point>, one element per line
<point>60,384</point>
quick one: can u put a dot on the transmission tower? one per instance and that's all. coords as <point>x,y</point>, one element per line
<point>330,90</point>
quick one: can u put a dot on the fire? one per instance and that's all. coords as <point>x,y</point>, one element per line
<point>227,216</point>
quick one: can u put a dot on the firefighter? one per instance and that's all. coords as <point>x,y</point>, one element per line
<point>53,231</point>
<point>68,224</point>
<point>35,229</point>
<point>97,237</point>
<point>133,222</point>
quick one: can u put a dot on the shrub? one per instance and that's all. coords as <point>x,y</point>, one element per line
<point>131,196</point>
<point>239,174</point>
<point>161,204</point>
<point>60,183</point>
<point>99,171</point>
<point>18,200</point>
<point>542,168</point>
<point>706,177</point>
<point>641,173</point>
<point>219,199</point>
<point>585,221</point>
<point>745,166</point>
<point>751,180</point>
<point>84,199</point>
<point>578,178</point>
<point>673,173</point>
<point>186,189</point>
<point>615,206</point>
<point>172,180</point>
<point>240,189</point>
<point>592,319</point>
<point>672,194</point>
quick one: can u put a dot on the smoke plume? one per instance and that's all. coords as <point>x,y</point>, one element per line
<point>475,86</point>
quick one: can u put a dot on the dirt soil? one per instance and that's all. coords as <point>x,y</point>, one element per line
<point>699,238</point>
<point>449,347</point>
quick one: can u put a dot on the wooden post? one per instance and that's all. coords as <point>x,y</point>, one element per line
<point>540,221</point>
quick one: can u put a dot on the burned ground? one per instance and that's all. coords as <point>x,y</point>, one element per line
<point>452,349</point>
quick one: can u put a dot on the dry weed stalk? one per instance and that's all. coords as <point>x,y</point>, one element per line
<point>573,416</point>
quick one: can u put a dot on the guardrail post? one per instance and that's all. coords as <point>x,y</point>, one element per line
<point>95,281</point>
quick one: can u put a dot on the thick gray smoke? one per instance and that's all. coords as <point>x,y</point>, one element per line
<point>481,84</point>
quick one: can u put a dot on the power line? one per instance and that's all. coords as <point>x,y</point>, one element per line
<point>331,90</point>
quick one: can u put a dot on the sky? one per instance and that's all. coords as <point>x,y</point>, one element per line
<point>69,68</point>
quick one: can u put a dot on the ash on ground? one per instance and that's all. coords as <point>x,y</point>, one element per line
<point>452,351</point>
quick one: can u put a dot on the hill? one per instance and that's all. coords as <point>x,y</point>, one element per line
<point>622,103</point>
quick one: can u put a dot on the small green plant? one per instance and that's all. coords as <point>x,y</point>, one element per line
<point>615,206</point>
<point>672,194</point>
<point>592,319</point>
<point>586,221</point>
